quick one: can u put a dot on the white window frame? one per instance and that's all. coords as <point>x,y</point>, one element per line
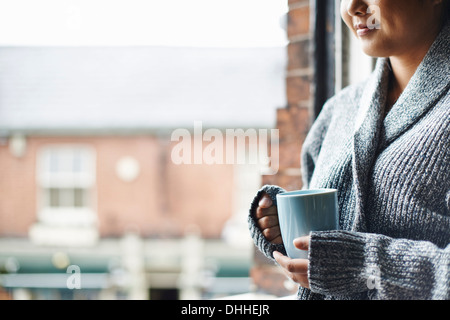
<point>86,179</point>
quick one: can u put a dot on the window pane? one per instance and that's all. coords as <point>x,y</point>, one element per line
<point>77,160</point>
<point>53,161</point>
<point>66,197</point>
<point>72,198</point>
<point>79,198</point>
<point>67,172</point>
<point>65,161</point>
<point>53,195</point>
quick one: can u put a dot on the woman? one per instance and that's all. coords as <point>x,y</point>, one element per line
<point>384,144</point>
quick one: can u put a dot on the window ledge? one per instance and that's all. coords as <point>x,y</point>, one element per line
<point>67,217</point>
<point>42,234</point>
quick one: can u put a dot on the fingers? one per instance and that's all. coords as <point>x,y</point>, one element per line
<point>262,212</point>
<point>267,219</point>
<point>295,269</point>
<point>292,265</point>
<point>273,235</point>
<point>270,229</point>
<point>265,207</point>
<point>265,201</point>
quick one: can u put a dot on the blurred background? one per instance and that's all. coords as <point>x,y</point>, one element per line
<point>92,203</point>
<point>90,93</point>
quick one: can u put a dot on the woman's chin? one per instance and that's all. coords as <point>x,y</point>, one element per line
<point>373,51</point>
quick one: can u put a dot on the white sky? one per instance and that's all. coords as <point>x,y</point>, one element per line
<point>206,23</point>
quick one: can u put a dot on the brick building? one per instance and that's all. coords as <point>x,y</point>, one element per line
<point>89,176</point>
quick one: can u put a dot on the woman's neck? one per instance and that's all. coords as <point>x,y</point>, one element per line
<point>403,68</point>
<point>401,74</point>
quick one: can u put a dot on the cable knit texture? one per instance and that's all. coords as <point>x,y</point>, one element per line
<point>393,178</point>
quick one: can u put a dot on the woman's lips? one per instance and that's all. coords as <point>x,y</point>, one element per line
<point>362,30</point>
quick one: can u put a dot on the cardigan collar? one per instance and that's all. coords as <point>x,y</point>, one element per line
<point>429,83</point>
<point>374,131</point>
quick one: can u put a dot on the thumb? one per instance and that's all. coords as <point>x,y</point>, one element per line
<point>302,243</point>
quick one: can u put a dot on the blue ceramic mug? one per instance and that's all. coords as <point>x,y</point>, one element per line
<point>303,211</point>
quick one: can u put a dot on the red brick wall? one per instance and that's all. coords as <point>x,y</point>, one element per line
<point>294,121</point>
<point>163,200</point>
<point>126,205</point>
<point>17,192</point>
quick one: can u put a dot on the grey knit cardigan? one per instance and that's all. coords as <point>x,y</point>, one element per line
<point>393,178</point>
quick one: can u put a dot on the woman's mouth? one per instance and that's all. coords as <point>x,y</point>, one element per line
<point>362,30</point>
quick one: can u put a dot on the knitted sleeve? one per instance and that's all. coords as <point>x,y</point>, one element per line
<point>310,152</point>
<point>345,263</point>
<point>260,241</point>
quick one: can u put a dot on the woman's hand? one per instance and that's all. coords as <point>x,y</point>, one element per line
<point>267,220</point>
<point>295,269</point>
